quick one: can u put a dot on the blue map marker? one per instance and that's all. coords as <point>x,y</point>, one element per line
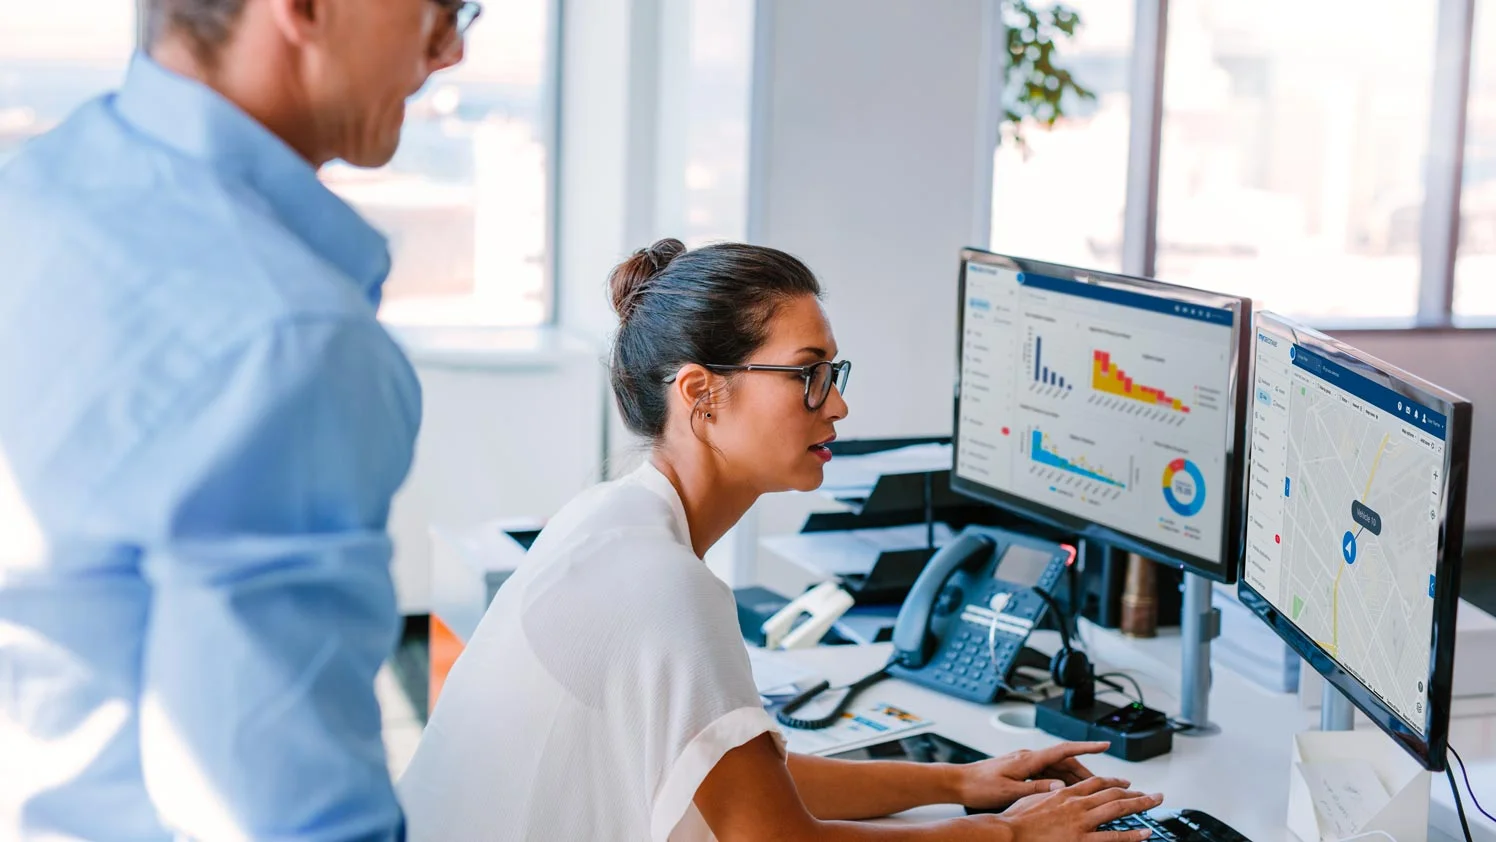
<point>1348,547</point>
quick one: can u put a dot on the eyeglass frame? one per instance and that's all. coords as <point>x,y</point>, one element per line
<point>459,29</point>
<point>839,371</point>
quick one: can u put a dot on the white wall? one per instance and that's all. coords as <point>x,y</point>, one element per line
<point>611,117</point>
<point>871,160</point>
<point>507,432</point>
<point>1464,362</point>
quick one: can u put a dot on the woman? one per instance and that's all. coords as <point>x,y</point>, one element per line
<point>607,692</point>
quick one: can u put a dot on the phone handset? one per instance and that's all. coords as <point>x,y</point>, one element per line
<point>911,638</point>
<point>912,642</point>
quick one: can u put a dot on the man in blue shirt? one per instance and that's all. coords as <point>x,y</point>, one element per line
<point>201,428</point>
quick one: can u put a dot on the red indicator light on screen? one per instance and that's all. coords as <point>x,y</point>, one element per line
<point>1277,539</point>
<point>1005,431</point>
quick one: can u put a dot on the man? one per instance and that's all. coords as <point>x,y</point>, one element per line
<point>201,428</point>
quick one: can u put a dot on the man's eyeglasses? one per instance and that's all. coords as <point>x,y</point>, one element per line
<point>819,377</point>
<point>457,18</point>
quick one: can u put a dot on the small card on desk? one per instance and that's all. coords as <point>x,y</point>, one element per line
<point>863,724</point>
<point>1348,783</point>
<point>1347,795</point>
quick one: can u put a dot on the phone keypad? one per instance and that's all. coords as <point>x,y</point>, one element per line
<point>986,634</point>
<point>963,667</point>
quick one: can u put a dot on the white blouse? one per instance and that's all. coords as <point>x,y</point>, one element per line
<point>606,680</point>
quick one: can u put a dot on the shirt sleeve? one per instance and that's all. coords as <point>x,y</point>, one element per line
<point>660,652</point>
<point>272,604</point>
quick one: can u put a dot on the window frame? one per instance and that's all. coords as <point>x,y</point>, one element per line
<point>1442,178</point>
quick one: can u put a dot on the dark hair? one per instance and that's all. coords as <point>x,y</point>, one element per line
<point>207,24</point>
<point>711,305</point>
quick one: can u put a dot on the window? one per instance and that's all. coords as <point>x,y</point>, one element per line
<point>1475,267</point>
<point>1292,162</point>
<point>50,63</point>
<point>1060,196</point>
<point>465,201</point>
<point>718,94</point>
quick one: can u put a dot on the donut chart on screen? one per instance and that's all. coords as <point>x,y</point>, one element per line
<point>1184,487</point>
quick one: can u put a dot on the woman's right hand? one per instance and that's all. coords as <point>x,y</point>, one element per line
<point>1075,812</point>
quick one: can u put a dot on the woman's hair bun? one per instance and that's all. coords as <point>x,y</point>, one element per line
<point>630,278</point>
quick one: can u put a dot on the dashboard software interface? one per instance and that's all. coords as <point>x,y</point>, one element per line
<point>1343,515</point>
<point>1104,403</point>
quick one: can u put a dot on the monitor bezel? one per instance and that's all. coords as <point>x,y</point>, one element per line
<point>1233,523</point>
<point>1428,750</point>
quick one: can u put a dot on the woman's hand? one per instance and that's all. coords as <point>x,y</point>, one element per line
<point>995,784</point>
<point>1074,813</point>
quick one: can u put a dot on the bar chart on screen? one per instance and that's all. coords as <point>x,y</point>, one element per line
<point>1071,466</point>
<point>1044,374</point>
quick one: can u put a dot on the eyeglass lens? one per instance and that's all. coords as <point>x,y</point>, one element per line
<point>822,375</point>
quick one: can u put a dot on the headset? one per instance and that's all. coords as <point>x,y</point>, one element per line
<point>1070,668</point>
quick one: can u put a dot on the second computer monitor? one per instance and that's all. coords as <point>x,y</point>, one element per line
<point>1355,517</point>
<point>1107,405</point>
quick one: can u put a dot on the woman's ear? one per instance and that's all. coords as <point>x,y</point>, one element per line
<point>694,392</point>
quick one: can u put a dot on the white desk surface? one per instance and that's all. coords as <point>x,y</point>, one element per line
<point>1239,775</point>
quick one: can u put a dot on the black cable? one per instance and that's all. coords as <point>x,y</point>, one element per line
<point>784,718</point>
<point>1114,688</point>
<point>1138,688</point>
<point>1468,788</point>
<point>1459,807</point>
<point>1060,619</point>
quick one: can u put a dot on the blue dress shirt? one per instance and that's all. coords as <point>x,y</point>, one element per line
<point>201,427</point>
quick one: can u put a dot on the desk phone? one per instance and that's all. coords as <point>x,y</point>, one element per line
<point>962,629</point>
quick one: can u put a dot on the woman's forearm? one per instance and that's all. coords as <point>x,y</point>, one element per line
<point>980,828</point>
<point>864,789</point>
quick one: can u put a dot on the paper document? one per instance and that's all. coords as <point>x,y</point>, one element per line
<point>1346,793</point>
<point>855,476</point>
<point>862,725</point>
<point>842,552</point>
<point>772,672</point>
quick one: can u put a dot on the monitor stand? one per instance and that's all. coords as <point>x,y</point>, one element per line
<point>1336,713</point>
<point>1199,624</point>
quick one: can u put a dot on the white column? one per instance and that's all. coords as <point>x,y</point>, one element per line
<point>621,109</point>
<point>609,111</point>
<point>872,133</point>
<point>872,130</point>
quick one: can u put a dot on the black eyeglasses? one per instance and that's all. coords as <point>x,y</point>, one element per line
<point>459,18</point>
<point>819,377</point>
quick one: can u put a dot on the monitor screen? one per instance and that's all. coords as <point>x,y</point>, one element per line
<point>1105,404</point>
<point>1349,487</point>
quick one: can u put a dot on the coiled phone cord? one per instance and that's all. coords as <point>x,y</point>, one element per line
<point>784,715</point>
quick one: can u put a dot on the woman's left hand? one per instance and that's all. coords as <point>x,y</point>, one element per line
<point>997,783</point>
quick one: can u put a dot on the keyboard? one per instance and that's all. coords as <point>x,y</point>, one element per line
<point>1181,825</point>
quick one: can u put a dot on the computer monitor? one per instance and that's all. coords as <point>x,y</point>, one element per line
<point>1355,518</point>
<point>1106,405</point>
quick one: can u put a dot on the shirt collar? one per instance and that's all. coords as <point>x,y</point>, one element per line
<point>196,121</point>
<point>650,477</point>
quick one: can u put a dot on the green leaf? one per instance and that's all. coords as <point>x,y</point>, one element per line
<point>1036,86</point>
